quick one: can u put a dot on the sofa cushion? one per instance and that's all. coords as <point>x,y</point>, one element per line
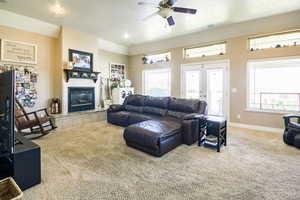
<point>154,111</point>
<point>158,102</point>
<point>138,117</point>
<point>132,108</point>
<point>135,100</point>
<point>184,105</point>
<point>156,105</point>
<point>175,114</point>
<point>118,118</point>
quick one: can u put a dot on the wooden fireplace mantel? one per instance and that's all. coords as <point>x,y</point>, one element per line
<point>78,74</point>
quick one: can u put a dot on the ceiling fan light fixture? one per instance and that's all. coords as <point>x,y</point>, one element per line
<point>165,12</point>
<point>57,9</point>
<point>126,36</point>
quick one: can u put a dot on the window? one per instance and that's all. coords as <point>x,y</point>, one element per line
<point>210,50</point>
<point>157,58</point>
<point>275,41</point>
<point>274,85</point>
<point>157,82</point>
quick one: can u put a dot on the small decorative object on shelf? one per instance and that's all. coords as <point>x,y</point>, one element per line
<point>78,74</point>
<point>55,106</point>
<point>156,58</point>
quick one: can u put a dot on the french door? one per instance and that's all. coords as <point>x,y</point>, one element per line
<point>208,82</point>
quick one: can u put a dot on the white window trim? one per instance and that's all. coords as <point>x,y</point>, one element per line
<point>248,109</point>
<point>156,70</point>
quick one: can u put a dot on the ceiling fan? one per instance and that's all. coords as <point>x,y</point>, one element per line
<point>166,10</point>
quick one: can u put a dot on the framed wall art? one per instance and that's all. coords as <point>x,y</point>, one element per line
<point>81,60</point>
<point>18,52</point>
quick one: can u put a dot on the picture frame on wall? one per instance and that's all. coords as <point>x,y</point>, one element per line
<point>117,71</point>
<point>18,52</point>
<point>81,60</point>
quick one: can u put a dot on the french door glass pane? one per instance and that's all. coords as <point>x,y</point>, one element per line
<point>192,84</point>
<point>215,93</point>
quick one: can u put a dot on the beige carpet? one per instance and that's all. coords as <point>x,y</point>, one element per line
<point>93,162</point>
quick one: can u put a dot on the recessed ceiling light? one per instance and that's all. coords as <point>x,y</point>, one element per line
<point>57,9</point>
<point>126,36</point>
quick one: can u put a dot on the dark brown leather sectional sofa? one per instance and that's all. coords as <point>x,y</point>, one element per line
<point>157,125</point>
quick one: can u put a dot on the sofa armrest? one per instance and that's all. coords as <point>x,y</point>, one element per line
<point>192,125</point>
<point>190,131</point>
<point>115,108</point>
<point>195,116</point>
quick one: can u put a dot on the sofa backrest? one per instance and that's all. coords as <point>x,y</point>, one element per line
<point>156,105</point>
<point>179,107</point>
<point>164,106</point>
<point>134,103</point>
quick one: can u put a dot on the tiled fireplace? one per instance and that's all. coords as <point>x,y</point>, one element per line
<point>81,99</point>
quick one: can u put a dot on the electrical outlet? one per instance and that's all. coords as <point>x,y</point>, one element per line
<point>238,116</point>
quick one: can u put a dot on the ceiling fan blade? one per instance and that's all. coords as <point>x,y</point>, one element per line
<point>184,10</point>
<point>150,16</point>
<point>171,2</point>
<point>170,21</point>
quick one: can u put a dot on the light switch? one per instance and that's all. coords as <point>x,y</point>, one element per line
<point>234,90</point>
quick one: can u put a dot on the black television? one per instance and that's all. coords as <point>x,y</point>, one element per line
<point>7,112</point>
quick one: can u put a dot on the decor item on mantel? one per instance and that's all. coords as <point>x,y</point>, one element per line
<point>78,74</point>
<point>81,61</point>
<point>18,52</point>
<point>26,79</point>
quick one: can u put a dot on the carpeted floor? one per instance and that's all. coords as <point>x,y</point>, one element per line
<point>93,162</point>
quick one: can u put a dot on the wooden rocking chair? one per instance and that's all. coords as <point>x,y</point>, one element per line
<point>37,125</point>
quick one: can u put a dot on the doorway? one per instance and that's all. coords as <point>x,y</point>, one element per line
<point>207,81</point>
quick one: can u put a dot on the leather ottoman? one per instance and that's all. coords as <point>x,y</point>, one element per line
<point>153,136</point>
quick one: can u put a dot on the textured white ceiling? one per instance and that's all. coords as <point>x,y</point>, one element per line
<point>111,19</point>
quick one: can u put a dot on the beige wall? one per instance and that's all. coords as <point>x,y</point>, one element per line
<point>53,52</point>
<point>46,60</point>
<point>72,39</point>
<point>238,55</point>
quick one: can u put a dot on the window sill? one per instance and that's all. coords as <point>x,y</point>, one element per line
<point>270,111</point>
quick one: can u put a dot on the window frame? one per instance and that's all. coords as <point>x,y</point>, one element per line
<point>156,54</point>
<point>203,46</point>
<point>249,62</point>
<point>156,70</point>
<point>268,35</point>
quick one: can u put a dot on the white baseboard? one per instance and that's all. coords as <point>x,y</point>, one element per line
<point>257,128</point>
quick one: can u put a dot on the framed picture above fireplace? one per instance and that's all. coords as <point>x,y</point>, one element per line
<point>81,60</point>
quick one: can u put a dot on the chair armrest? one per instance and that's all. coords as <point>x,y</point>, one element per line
<point>288,117</point>
<point>34,113</point>
<point>40,110</point>
<point>291,116</point>
<point>115,108</point>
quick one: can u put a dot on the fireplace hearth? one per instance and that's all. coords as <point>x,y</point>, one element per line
<point>81,99</point>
